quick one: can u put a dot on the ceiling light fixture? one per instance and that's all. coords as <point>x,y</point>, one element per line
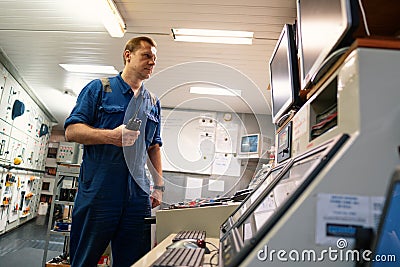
<point>212,36</point>
<point>89,68</point>
<point>112,19</point>
<point>214,91</point>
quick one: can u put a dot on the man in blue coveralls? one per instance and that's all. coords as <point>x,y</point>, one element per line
<point>113,196</point>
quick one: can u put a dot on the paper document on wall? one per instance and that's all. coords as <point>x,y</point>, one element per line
<point>216,185</point>
<point>193,188</point>
<point>226,164</point>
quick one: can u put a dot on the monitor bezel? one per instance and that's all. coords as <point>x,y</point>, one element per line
<point>330,148</point>
<point>350,22</point>
<point>242,153</point>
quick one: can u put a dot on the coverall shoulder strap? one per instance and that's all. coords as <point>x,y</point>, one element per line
<point>106,88</point>
<point>106,85</point>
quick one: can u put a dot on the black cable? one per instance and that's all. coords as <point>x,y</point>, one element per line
<point>211,259</point>
<point>212,245</point>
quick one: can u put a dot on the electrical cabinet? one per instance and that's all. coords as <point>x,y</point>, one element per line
<point>46,195</point>
<point>24,138</point>
<point>68,152</point>
<point>19,194</point>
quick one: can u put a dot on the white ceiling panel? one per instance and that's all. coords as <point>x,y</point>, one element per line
<point>38,35</point>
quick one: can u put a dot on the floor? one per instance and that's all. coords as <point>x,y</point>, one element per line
<point>24,246</point>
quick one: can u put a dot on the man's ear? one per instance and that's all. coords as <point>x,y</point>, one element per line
<point>127,55</point>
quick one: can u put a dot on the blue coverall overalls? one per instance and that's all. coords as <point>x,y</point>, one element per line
<point>113,192</point>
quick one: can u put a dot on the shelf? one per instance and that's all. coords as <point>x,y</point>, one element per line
<point>57,264</point>
<point>62,233</point>
<point>70,203</point>
<point>25,215</point>
<point>66,177</point>
<point>51,163</point>
<point>68,174</point>
<point>68,169</point>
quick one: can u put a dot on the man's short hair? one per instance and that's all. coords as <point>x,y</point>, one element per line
<point>135,43</point>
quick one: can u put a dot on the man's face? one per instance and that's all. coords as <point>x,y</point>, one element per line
<point>143,61</point>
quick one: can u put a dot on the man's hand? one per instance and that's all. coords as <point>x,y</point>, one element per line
<point>156,198</point>
<point>124,137</point>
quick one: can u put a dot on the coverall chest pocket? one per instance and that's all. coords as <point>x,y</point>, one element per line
<point>112,115</point>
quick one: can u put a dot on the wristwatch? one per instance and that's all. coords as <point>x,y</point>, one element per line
<point>159,187</point>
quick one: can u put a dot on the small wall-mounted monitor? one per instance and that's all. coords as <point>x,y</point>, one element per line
<point>284,74</point>
<point>250,146</point>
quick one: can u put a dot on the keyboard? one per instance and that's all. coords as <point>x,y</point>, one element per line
<point>188,257</point>
<point>190,234</point>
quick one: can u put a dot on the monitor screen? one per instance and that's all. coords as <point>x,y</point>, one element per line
<point>267,179</point>
<point>287,184</point>
<point>324,26</point>
<point>244,206</point>
<point>249,143</point>
<point>284,74</point>
<point>386,250</point>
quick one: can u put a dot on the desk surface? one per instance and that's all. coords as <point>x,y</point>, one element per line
<point>157,251</point>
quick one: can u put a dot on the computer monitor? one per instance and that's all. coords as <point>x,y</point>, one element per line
<point>251,228</point>
<point>250,145</point>
<point>324,26</point>
<point>386,246</point>
<point>284,74</point>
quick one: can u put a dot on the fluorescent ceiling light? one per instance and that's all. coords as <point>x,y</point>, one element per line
<point>112,19</point>
<point>214,91</point>
<point>89,68</point>
<point>218,33</point>
<point>212,36</point>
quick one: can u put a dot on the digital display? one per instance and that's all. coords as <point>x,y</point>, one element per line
<point>289,182</point>
<point>283,139</point>
<point>284,143</point>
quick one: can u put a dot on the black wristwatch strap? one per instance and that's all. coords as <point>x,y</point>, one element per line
<point>159,187</point>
